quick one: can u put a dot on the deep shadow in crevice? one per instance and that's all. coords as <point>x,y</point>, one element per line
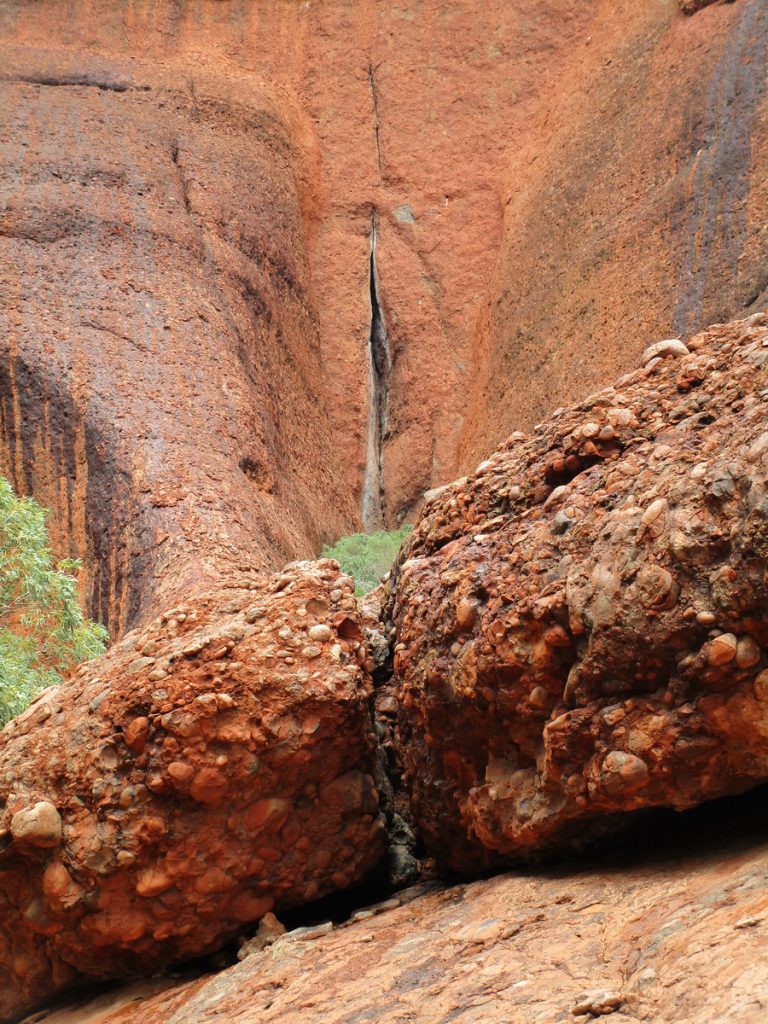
<point>380,355</point>
<point>88,81</point>
<point>663,838</point>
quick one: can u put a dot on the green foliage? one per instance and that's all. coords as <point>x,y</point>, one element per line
<point>42,630</point>
<point>366,557</point>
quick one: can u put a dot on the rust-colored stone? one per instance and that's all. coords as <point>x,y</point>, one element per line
<point>159,364</point>
<point>679,940</point>
<point>691,6</point>
<point>251,788</point>
<point>555,156</point>
<point>618,652</point>
<point>609,240</point>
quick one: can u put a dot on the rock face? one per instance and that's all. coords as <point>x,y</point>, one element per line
<point>210,768</point>
<point>272,269</point>
<point>159,368</point>
<point>518,261</point>
<point>581,624</point>
<point>691,6</point>
<point>679,939</point>
<point>626,217</point>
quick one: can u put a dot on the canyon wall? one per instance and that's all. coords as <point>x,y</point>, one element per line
<point>272,269</point>
<point>481,194</point>
<point>160,373</point>
<point>634,212</point>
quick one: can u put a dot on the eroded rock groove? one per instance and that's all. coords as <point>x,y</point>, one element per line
<point>376,123</point>
<point>379,372</point>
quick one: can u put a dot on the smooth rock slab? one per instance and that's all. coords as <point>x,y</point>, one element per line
<point>151,812</point>
<point>678,939</point>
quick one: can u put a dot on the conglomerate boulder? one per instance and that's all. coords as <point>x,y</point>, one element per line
<point>211,767</point>
<point>582,624</point>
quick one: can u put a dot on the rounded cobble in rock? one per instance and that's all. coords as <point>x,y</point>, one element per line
<point>722,649</point>
<point>624,772</point>
<point>39,825</point>
<point>670,347</point>
<point>747,652</point>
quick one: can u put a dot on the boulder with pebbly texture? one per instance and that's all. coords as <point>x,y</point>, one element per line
<point>581,626</point>
<point>210,768</point>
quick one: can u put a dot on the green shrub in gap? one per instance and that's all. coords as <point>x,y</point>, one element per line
<point>366,557</point>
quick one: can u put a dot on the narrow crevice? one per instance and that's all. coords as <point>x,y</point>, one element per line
<point>376,122</point>
<point>80,81</point>
<point>380,364</point>
<point>182,177</point>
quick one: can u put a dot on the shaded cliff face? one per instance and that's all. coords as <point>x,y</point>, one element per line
<point>635,211</point>
<point>160,371</point>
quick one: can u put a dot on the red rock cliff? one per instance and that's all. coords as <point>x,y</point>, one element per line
<point>534,177</point>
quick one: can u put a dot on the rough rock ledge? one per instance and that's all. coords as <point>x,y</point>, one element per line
<point>666,935</point>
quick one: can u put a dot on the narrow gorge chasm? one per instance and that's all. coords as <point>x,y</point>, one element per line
<point>273,274</point>
<point>373,510</point>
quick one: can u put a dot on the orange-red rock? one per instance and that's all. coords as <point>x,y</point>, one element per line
<point>214,766</point>
<point>634,208</point>
<point>581,624</point>
<point>678,938</point>
<point>190,197</point>
<point>160,371</point>
<point>691,6</point>
<point>552,184</point>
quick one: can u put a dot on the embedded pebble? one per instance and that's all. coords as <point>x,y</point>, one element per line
<point>668,348</point>
<point>722,649</point>
<point>39,826</point>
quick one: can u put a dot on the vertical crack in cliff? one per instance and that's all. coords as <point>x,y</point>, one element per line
<point>183,183</point>
<point>379,366</point>
<point>376,122</point>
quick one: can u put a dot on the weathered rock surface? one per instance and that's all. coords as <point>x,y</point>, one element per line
<point>536,139</point>
<point>189,199</point>
<point>676,938</point>
<point>581,624</point>
<point>626,216</point>
<point>159,365</point>
<point>208,769</point>
<point>691,6</point>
